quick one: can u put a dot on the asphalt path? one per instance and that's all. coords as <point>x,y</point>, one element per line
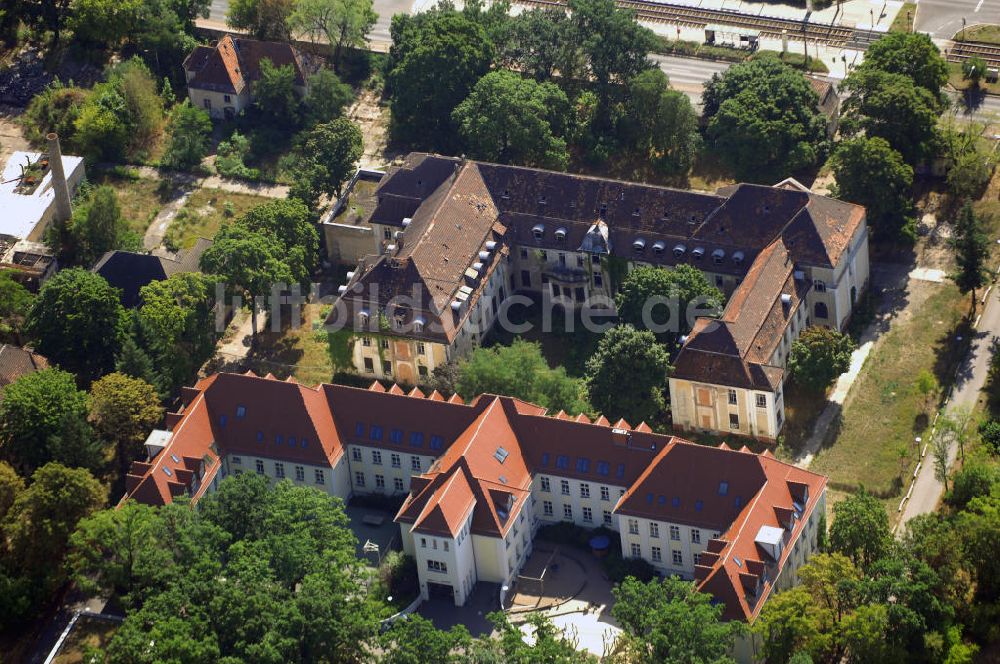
<point>943,18</point>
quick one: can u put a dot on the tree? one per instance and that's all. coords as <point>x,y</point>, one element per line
<point>550,645</point>
<point>43,516</point>
<point>275,94</point>
<point>231,155</point>
<point>177,322</point>
<point>972,481</point>
<point>541,44</point>
<point>970,172</point>
<point>615,45</point>
<point>15,303</point>
<point>98,133</point>
<point>123,410</point>
<point>35,409</point>
<point>326,160</point>
<point>663,124</point>
<point>627,375</point>
<point>190,136</point>
<point>818,356</point>
<point>77,322</point>
<point>790,622</point>
<point>344,23</point>
<point>910,54</point>
<point>973,70</point>
<point>971,246</point>
<point>989,433</point>
<point>415,640</point>
<point>326,99</point>
<point>11,485</point>
<point>763,119</point>
<point>98,226</point>
<point>871,173</point>
<point>670,621</point>
<point>435,60</point>
<point>513,120</point>
<point>979,525</point>
<point>291,223</point>
<point>892,107</point>
<point>941,451</point>
<point>102,22</point>
<point>249,261</point>
<point>647,289</point>
<point>54,109</point>
<point>860,529</point>
<point>263,19</point>
<point>520,370</point>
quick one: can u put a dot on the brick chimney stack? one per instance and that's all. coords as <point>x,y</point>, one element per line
<point>63,208</point>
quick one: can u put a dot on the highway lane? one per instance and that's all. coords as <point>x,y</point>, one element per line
<point>943,18</point>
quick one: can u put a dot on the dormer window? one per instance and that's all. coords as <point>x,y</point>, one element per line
<point>418,324</point>
<point>363,316</point>
<point>658,248</point>
<point>718,256</point>
<point>679,250</point>
<point>541,200</point>
<point>636,212</point>
<point>604,208</point>
<point>397,321</point>
<point>506,194</point>
<point>560,233</point>
<point>738,257</point>
<point>698,253</point>
<point>638,245</point>
<point>538,231</point>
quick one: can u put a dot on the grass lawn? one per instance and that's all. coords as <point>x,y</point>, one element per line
<point>884,412</point>
<point>957,81</point>
<point>204,213</point>
<point>904,19</point>
<point>140,198</point>
<point>86,634</point>
<point>309,354</point>
<point>986,33</point>
<point>801,411</point>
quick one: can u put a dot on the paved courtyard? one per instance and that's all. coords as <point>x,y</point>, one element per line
<point>385,535</point>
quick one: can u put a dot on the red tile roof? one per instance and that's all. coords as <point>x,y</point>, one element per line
<point>234,62</point>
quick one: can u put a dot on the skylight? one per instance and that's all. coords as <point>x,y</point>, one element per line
<point>723,488</point>
<point>501,454</point>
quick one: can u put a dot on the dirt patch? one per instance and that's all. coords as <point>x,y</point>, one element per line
<point>372,116</point>
<point>11,135</point>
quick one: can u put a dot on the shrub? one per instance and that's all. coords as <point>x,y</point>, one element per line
<point>398,575</point>
<point>989,433</point>
<point>231,155</point>
<point>54,109</point>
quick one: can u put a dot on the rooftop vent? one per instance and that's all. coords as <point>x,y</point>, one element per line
<point>456,305</point>
<point>350,275</point>
<point>477,266</point>
<point>390,248</point>
<point>799,275</point>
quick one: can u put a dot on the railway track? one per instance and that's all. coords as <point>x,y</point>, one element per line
<point>768,26</point>
<point>962,51</point>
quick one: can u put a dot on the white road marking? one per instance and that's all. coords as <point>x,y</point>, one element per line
<point>978,6</point>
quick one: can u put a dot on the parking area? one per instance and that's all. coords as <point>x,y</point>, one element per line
<point>374,527</point>
<point>441,611</point>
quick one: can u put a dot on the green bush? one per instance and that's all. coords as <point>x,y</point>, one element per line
<point>398,575</point>
<point>989,433</point>
<point>230,157</point>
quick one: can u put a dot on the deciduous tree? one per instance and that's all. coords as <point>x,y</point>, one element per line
<point>263,19</point>
<point>190,135</point>
<point>662,125</point>
<point>657,299</point>
<point>123,410</point>
<point>627,375</point>
<point>860,529</point>
<point>326,160</point>
<point>344,23</point>
<point>326,99</point>
<point>871,173</point>
<point>15,303</point>
<point>275,94</point>
<point>911,54</point>
<point>291,223</point>
<point>818,356</point>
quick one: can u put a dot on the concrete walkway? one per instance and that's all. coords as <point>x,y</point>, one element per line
<point>929,274</point>
<point>153,238</point>
<point>926,491</point>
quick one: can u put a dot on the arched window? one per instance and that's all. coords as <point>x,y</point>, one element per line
<point>821,311</point>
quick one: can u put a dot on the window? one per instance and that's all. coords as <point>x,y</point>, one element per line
<point>279,470</point>
<point>359,478</point>
<point>421,348</point>
<point>677,557</point>
<point>241,412</point>
<point>260,436</point>
<point>379,481</point>
<point>562,461</point>
<point>732,397</point>
<point>654,529</point>
<point>657,554</point>
<point>675,533</point>
<point>524,253</point>
<point>207,103</point>
<point>588,515</point>
<point>446,545</point>
<point>582,465</point>
<point>568,512</point>
<point>383,344</point>
<point>416,439</point>
<point>695,536</point>
<point>356,453</point>
<point>222,420</point>
<point>633,527</point>
<point>607,518</point>
<point>603,468</point>
<point>547,507</point>
<point>526,278</point>
<point>762,401</point>
<point>598,280</point>
<point>545,485</point>
<point>366,342</point>
<point>226,98</point>
<point>423,542</point>
<point>394,458</point>
<point>819,285</point>
<point>422,370</point>
<point>723,488</point>
<point>605,494</point>
<point>376,454</point>
<point>821,311</point>
<point>436,566</point>
<point>734,421</point>
<point>260,467</point>
<point>436,442</point>
<point>636,550</point>
<point>238,461</point>
<point>278,440</point>
<point>415,463</point>
<point>564,487</point>
<point>319,477</point>
<point>387,367</point>
<point>300,474</point>
<point>396,436</point>
<point>584,490</point>
<point>397,484</point>
<point>545,255</point>
<point>369,365</point>
<point>620,471</point>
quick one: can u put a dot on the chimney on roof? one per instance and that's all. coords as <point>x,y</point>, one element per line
<point>64,209</point>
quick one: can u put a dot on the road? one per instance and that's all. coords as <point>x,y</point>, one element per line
<point>689,75</point>
<point>927,490</point>
<point>943,18</point>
